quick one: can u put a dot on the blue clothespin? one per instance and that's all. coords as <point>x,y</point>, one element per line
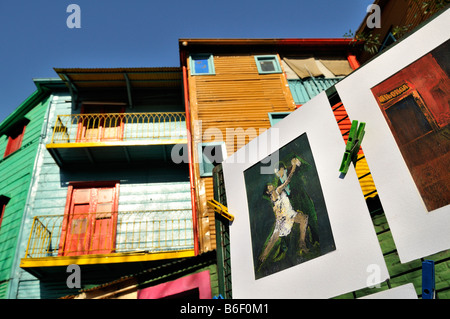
<point>355,138</point>
<point>218,297</point>
<point>428,279</point>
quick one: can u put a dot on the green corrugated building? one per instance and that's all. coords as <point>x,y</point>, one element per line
<point>20,134</point>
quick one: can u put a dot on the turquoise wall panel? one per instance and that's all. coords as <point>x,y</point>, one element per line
<point>304,90</point>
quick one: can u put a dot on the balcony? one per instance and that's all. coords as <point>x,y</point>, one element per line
<point>107,238</point>
<point>116,138</point>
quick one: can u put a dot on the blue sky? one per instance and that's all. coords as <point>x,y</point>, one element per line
<point>34,37</point>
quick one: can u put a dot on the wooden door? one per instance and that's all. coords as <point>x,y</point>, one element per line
<point>89,225</point>
<point>104,222</point>
<point>101,123</point>
<point>77,240</point>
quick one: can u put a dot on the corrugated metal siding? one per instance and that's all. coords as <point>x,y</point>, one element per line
<point>416,12</point>
<point>236,97</point>
<point>4,289</point>
<point>304,90</point>
<point>209,187</point>
<point>15,172</point>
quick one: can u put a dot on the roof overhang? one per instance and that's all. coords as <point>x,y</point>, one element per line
<point>289,41</point>
<point>125,81</point>
<point>288,46</point>
<point>43,88</point>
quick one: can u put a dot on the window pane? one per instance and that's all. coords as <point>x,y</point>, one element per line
<point>212,155</point>
<point>277,118</point>
<point>201,66</point>
<point>267,66</point>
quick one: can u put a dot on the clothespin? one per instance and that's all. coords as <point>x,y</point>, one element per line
<point>218,297</point>
<point>355,138</point>
<point>220,209</point>
<point>428,279</point>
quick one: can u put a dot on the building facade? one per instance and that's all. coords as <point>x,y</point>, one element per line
<point>118,166</point>
<point>107,195</point>
<point>397,20</point>
<point>239,88</point>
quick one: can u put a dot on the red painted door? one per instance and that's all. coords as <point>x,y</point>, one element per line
<point>91,218</point>
<point>103,222</point>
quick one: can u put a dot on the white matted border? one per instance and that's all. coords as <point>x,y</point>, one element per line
<point>401,292</point>
<point>357,261</point>
<point>417,233</point>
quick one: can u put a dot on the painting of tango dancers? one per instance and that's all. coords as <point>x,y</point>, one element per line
<point>288,215</point>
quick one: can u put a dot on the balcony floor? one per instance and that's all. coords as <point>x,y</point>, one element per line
<point>47,267</point>
<point>110,153</point>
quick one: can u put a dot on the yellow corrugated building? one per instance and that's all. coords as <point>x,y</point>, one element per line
<point>239,88</point>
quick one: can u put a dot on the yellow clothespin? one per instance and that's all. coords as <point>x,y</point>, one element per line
<point>220,209</point>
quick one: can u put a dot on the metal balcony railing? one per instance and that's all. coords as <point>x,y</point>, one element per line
<point>106,233</point>
<point>106,127</point>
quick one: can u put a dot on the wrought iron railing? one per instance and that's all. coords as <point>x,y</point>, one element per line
<point>105,233</point>
<point>105,127</point>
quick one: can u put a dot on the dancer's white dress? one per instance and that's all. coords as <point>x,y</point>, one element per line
<point>284,214</point>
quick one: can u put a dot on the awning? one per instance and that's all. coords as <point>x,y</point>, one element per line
<point>339,67</point>
<point>306,67</point>
<point>124,81</point>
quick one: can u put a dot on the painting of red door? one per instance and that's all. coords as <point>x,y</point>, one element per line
<point>90,219</point>
<point>416,105</point>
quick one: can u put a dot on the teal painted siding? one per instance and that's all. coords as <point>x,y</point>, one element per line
<point>156,187</point>
<point>15,175</point>
<point>304,90</point>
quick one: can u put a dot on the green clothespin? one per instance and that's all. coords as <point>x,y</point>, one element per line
<point>355,138</point>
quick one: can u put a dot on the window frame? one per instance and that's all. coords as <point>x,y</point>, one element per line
<point>389,37</point>
<point>210,60</point>
<point>3,202</point>
<point>273,58</point>
<point>272,119</point>
<point>203,171</point>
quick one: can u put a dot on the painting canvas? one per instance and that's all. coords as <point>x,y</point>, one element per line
<point>288,215</point>
<point>403,97</point>
<point>323,219</point>
<point>416,104</point>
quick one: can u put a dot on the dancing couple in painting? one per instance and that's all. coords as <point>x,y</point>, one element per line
<point>285,216</point>
<point>289,223</point>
